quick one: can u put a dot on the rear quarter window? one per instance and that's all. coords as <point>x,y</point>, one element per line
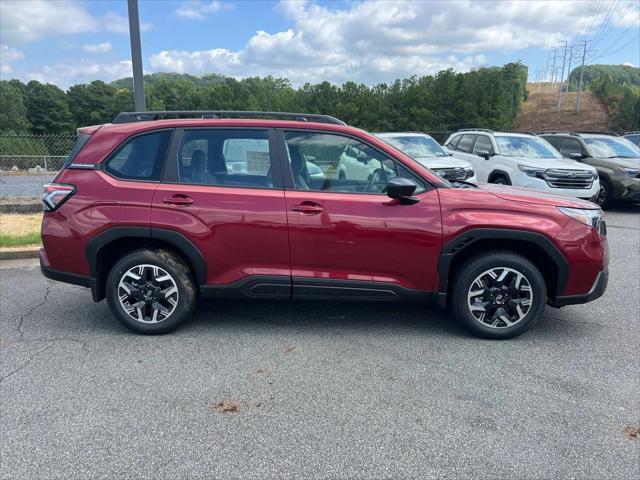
<point>140,158</point>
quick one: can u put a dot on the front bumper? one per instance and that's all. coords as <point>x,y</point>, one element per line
<point>629,190</point>
<point>597,290</point>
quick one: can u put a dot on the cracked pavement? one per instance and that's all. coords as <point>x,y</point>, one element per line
<point>318,390</point>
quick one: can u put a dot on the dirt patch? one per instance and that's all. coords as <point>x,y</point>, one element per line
<point>231,407</point>
<point>633,433</point>
<point>225,407</point>
<point>540,112</point>
<point>18,224</point>
<point>289,349</point>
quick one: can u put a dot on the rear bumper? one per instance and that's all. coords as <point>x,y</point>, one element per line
<point>59,275</point>
<point>597,290</point>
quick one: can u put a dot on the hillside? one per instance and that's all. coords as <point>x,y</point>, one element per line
<point>539,112</point>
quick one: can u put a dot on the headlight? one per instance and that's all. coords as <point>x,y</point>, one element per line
<point>531,171</point>
<point>589,217</point>
<point>632,172</point>
<point>468,172</point>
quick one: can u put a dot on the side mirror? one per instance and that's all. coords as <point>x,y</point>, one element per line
<point>402,189</point>
<point>486,154</point>
<point>576,156</point>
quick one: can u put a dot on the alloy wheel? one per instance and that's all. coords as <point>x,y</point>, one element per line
<point>500,297</point>
<point>147,293</point>
<point>602,195</point>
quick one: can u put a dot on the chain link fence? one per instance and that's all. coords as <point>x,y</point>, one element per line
<point>27,162</point>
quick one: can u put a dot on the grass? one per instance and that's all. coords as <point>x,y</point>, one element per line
<point>18,230</point>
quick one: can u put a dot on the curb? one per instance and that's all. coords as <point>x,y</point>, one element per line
<point>19,253</point>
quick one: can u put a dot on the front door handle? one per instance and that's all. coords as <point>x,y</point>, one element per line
<point>178,199</point>
<point>308,208</point>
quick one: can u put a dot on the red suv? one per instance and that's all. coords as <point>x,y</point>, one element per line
<point>152,213</point>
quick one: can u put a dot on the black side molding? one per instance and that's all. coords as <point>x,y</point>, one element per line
<point>331,289</point>
<point>464,240</point>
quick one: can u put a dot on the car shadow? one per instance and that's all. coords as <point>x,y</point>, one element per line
<point>317,316</point>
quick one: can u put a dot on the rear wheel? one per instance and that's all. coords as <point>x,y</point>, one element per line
<point>151,291</point>
<point>499,295</point>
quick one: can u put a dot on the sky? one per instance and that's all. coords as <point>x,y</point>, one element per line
<point>66,42</point>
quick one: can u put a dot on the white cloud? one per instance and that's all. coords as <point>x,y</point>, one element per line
<point>27,21</point>
<point>200,10</point>
<point>119,24</point>
<point>8,54</point>
<point>97,47</point>
<point>70,73</point>
<point>627,14</point>
<point>628,64</point>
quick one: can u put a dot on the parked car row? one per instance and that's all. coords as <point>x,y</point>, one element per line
<point>602,168</point>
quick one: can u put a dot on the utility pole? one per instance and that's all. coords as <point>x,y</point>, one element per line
<point>564,60</point>
<point>553,69</point>
<point>569,69</point>
<point>136,56</point>
<point>584,52</point>
<point>540,74</point>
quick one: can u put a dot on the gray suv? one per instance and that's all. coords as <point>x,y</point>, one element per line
<point>616,159</point>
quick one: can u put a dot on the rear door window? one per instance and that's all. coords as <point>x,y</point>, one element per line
<point>140,158</point>
<point>225,157</point>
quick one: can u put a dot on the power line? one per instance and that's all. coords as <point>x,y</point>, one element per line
<point>618,49</point>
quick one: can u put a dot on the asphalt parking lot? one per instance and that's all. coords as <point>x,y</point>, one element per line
<point>319,390</point>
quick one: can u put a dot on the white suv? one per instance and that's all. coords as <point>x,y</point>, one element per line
<point>523,160</point>
<point>426,151</point>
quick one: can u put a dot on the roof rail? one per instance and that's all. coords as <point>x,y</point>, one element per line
<point>554,132</point>
<point>475,130</point>
<point>577,134</point>
<point>130,117</point>
<point>614,134</point>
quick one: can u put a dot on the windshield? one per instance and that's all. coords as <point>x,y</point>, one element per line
<point>527,147</point>
<point>417,146</point>
<point>609,147</point>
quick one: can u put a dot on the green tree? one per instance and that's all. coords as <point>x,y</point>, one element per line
<point>47,109</point>
<point>92,104</point>
<point>13,113</point>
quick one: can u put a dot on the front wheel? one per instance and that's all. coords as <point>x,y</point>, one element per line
<point>604,194</point>
<point>499,295</point>
<point>151,291</point>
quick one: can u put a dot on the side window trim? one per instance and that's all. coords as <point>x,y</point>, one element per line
<point>288,174</point>
<point>103,164</point>
<point>171,175</point>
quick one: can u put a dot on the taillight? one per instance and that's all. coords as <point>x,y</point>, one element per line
<point>55,194</point>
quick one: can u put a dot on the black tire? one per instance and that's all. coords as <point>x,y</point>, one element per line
<point>472,269</point>
<point>604,195</point>
<point>500,179</point>
<point>181,277</point>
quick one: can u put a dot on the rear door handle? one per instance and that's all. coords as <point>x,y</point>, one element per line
<point>307,208</point>
<point>178,199</point>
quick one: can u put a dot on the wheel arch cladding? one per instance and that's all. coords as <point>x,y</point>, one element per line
<point>104,250</point>
<point>533,246</point>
